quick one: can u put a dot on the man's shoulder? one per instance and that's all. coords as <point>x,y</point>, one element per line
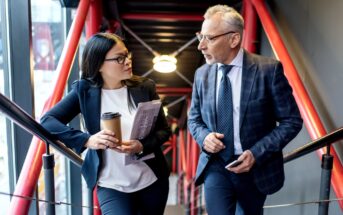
<point>204,69</point>
<point>259,59</point>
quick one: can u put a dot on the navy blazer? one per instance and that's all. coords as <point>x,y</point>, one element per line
<point>269,117</point>
<point>85,99</point>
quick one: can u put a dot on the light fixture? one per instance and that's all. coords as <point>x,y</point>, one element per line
<point>164,63</point>
<point>165,109</point>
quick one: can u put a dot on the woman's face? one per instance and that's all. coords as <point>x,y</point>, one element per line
<point>116,67</point>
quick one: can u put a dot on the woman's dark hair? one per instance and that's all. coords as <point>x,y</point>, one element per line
<point>94,54</point>
<point>93,57</point>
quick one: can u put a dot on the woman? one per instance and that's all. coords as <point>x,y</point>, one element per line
<point>107,85</point>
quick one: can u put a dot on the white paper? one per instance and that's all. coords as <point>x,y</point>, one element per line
<point>145,118</point>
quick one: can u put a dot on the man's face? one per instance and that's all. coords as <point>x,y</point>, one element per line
<point>219,49</point>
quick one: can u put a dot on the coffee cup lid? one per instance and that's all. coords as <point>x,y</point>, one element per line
<point>110,115</point>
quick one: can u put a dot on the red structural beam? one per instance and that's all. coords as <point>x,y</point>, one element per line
<point>94,18</point>
<point>162,17</point>
<point>174,90</point>
<point>250,26</point>
<point>93,24</point>
<point>33,162</point>
<point>174,138</point>
<point>309,114</point>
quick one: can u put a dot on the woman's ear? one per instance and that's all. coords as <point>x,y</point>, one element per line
<point>235,40</point>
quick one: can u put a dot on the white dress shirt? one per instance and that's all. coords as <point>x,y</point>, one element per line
<point>235,76</point>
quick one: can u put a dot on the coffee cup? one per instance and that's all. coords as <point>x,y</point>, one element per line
<point>111,121</point>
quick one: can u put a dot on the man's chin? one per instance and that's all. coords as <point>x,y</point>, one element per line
<point>208,61</point>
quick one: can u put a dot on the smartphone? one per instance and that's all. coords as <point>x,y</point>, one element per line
<point>233,164</point>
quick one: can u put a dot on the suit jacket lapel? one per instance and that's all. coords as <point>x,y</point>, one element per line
<point>212,87</point>
<point>93,106</point>
<point>138,95</point>
<point>248,77</point>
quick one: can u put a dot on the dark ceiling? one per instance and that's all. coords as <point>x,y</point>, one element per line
<point>164,26</point>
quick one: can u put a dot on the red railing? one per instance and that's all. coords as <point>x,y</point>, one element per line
<point>33,162</point>
<point>311,119</point>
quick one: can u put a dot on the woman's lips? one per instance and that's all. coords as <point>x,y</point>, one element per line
<point>128,70</point>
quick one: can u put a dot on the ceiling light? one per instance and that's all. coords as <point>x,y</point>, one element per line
<point>164,63</point>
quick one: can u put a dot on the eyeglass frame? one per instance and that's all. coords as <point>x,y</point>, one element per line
<point>123,57</point>
<point>208,38</point>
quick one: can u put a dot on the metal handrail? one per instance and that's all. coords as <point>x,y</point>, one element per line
<point>330,138</point>
<point>24,120</point>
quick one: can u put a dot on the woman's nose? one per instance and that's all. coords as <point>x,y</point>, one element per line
<point>128,61</point>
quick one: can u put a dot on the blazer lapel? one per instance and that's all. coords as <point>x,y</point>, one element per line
<point>93,106</point>
<point>138,95</point>
<point>248,77</point>
<point>212,86</point>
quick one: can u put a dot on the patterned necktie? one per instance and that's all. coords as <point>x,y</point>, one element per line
<point>225,114</point>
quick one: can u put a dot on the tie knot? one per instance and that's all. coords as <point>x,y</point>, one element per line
<point>226,69</point>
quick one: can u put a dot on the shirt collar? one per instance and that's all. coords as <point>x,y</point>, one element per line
<point>237,61</point>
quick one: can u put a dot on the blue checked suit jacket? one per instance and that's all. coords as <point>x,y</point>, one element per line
<point>85,99</point>
<point>269,117</point>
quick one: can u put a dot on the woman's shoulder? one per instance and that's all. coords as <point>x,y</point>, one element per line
<point>141,82</point>
<point>82,84</point>
<point>148,83</point>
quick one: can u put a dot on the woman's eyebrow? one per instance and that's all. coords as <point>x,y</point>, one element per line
<point>122,53</point>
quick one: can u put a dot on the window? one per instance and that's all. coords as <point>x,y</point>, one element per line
<point>4,176</point>
<point>47,42</point>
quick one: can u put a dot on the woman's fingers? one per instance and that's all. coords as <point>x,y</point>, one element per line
<point>130,146</point>
<point>102,140</point>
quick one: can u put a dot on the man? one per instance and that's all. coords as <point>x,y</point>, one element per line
<point>243,112</point>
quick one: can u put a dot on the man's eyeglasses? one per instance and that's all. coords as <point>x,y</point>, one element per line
<point>121,58</point>
<point>209,38</point>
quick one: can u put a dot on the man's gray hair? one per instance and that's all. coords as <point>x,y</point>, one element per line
<point>228,14</point>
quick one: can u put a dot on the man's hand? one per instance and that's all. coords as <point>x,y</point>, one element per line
<point>212,142</point>
<point>248,161</point>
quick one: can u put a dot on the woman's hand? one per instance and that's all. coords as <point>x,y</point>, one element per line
<point>130,147</point>
<point>104,139</point>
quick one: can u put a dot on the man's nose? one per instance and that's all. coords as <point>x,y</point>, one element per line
<point>201,45</point>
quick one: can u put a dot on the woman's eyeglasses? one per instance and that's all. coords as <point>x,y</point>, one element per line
<point>121,58</point>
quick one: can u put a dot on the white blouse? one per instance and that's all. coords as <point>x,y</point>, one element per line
<point>115,173</point>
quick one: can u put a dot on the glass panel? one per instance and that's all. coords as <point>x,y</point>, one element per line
<point>4,176</point>
<point>48,39</point>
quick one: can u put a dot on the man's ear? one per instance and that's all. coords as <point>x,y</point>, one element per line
<point>235,40</point>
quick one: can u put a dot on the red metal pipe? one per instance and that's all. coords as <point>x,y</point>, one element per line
<point>250,26</point>
<point>194,200</point>
<point>311,118</point>
<point>190,158</point>
<point>163,17</point>
<point>174,153</point>
<point>94,19</point>
<point>96,209</point>
<point>33,162</point>
<point>174,90</point>
<point>93,24</point>
<point>195,157</point>
<point>182,152</point>
<point>166,150</point>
